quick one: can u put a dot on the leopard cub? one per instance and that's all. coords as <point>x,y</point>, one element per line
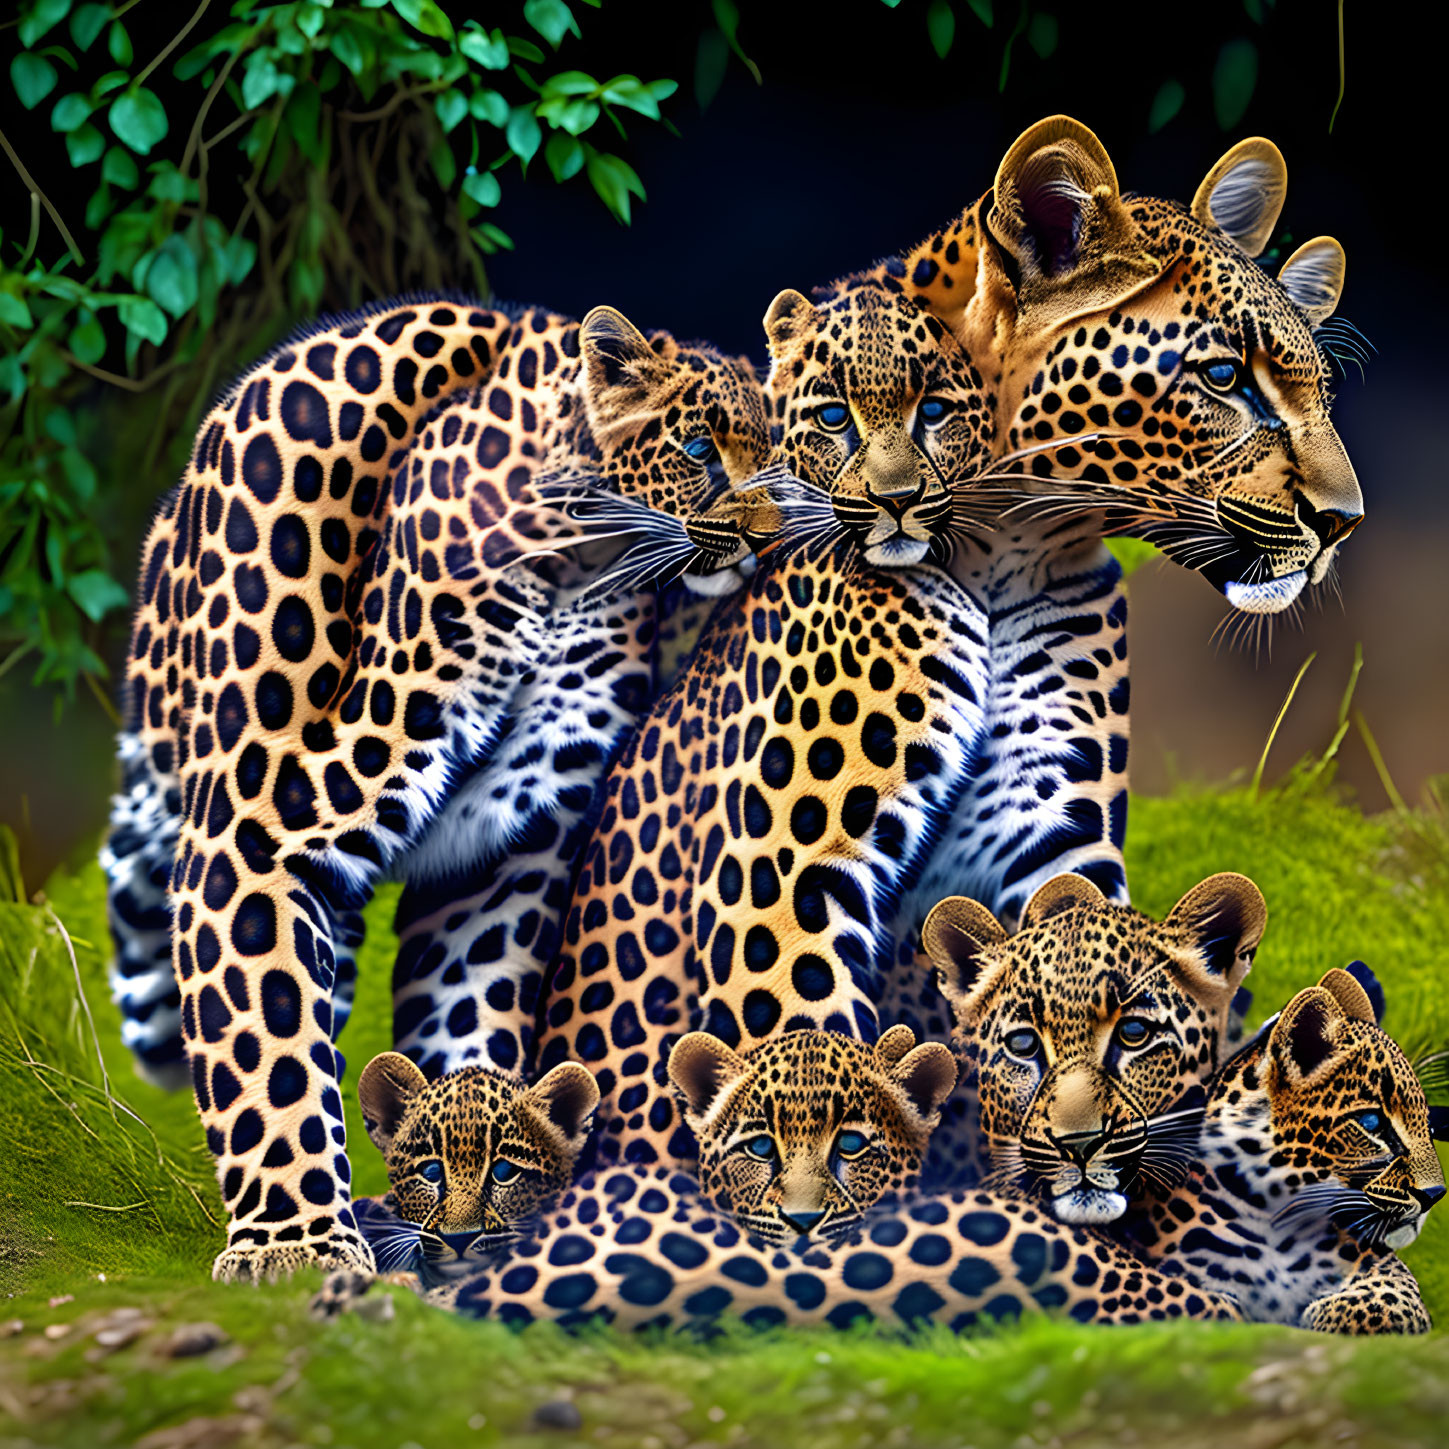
<point>801,1135</point>
<point>470,1157</point>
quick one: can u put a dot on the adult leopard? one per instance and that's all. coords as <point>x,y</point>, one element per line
<point>337,671</point>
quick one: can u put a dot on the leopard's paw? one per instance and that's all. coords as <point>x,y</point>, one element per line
<point>267,1263</point>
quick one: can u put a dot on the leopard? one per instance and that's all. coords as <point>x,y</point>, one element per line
<point>763,819</point>
<point>1088,1037</point>
<point>1145,370</point>
<point>803,1133</point>
<point>472,1158</point>
<point>1316,1161</point>
<point>1316,1166</point>
<point>357,653</point>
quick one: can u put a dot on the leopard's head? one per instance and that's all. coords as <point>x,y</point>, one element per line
<point>802,1134</point>
<point>472,1156</point>
<point>1149,368</point>
<point>879,410</point>
<point>1324,1117</point>
<point>679,428</point>
<point>1087,1031</point>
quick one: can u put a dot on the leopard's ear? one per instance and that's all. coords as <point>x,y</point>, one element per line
<point>566,1098</point>
<point>1226,916</point>
<point>1350,995</point>
<point>385,1089</point>
<point>1060,893</point>
<point>1313,278</point>
<point>1242,195</point>
<point>1304,1040</point>
<point>623,371</point>
<point>1056,201</point>
<point>703,1069</point>
<point>789,315</point>
<point>926,1074</point>
<point>961,938</point>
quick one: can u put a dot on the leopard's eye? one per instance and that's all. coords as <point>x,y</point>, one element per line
<point>1132,1031</point>
<point>851,1144</point>
<point>1224,376</point>
<point>1024,1043</point>
<point>431,1171</point>
<point>1370,1121</point>
<point>833,417</point>
<point>702,449</point>
<point>933,410</point>
<point>762,1147</point>
<point>504,1170</point>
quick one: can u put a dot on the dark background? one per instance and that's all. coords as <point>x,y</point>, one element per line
<point>859,142</point>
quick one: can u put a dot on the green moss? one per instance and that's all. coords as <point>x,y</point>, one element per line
<point>1339,886</point>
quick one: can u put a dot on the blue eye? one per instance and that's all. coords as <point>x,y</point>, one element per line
<point>833,417</point>
<point>1023,1043</point>
<point>702,449</point>
<point>932,410</point>
<point>504,1170</point>
<point>1370,1121</point>
<point>852,1144</point>
<point>761,1147</point>
<point>1132,1031</point>
<point>1222,375</point>
<point>431,1170</point>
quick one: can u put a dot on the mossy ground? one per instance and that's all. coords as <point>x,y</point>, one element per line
<point>89,1189</point>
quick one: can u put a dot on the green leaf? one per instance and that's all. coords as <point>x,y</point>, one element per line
<point>711,60</point>
<point>347,49</point>
<point>88,339</point>
<point>483,187</point>
<point>138,118</point>
<point>565,156</point>
<point>43,14</point>
<point>304,107</point>
<point>630,91</point>
<point>615,180</point>
<point>551,18</point>
<point>241,256</point>
<point>489,106</point>
<point>33,78</point>
<point>1042,34</point>
<point>171,278</point>
<point>71,113</point>
<point>262,79</point>
<point>727,17</point>
<point>106,84</point>
<point>451,108</point>
<point>489,51</point>
<point>15,310</point>
<point>570,83</point>
<point>426,16</point>
<point>119,44</point>
<point>143,318</point>
<point>444,163</point>
<point>1255,11</point>
<point>85,145</point>
<point>309,20</point>
<point>981,9</point>
<point>119,168</point>
<point>87,22</point>
<point>1165,104</point>
<point>574,116</point>
<point>523,134</point>
<point>941,26</point>
<point>1235,76</point>
<point>522,49</point>
<point>96,593</point>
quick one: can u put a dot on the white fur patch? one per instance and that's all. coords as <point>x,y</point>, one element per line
<point>1266,598</point>
<point>1088,1207</point>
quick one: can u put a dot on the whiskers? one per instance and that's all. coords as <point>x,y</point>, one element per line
<point>1331,1204</point>
<point>1341,342</point>
<point>1170,1144</point>
<point>396,1247</point>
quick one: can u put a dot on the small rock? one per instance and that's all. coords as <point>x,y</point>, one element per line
<point>376,1309</point>
<point>56,1330</point>
<point>558,1414</point>
<point>118,1335</point>
<point>11,1328</point>
<point>190,1340</point>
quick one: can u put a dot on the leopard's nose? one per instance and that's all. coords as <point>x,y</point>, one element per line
<point>1428,1196</point>
<point>459,1242</point>
<point>1330,524</point>
<point>802,1222</point>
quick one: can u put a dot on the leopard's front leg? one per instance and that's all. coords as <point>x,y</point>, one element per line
<point>256,960</point>
<point>1381,1297</point>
